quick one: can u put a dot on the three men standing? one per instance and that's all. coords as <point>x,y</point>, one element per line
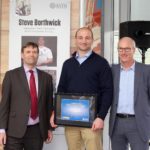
<point>25,124</point>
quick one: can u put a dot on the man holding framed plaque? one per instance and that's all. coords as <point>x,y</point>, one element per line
<point>85,73</point>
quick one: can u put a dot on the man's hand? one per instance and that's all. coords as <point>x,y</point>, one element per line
<point>97,124</point>
<point>52,120</point>
<point>2,138</point>
<point>50,137</point>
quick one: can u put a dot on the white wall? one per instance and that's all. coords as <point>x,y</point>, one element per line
<point>140,10</point>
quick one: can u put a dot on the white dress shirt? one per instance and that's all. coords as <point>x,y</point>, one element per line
<point>126,91</point>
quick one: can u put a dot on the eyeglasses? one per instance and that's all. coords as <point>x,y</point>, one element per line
<point>126,49</point>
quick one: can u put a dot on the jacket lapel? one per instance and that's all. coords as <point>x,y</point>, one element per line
<point>24,80</point>
<point>137,76</point>
<point>39,83</point>
<point>116,81</point>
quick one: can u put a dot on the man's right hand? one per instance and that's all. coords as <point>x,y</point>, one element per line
<point>2,138</point>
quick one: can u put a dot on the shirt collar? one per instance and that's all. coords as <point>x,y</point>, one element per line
<point>130,68</point>
<point>27,69</point>
<point>86,55</point>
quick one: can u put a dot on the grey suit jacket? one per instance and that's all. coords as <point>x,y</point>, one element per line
<point>16,101</point>
<point>141,99</point>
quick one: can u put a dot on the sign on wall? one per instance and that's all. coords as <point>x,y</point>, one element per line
<point>45,22</point>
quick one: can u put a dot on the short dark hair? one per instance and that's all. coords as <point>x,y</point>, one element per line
<point>84,28</point>
<point>30,44</point>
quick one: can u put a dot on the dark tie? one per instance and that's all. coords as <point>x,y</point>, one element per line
<point>33,93</point>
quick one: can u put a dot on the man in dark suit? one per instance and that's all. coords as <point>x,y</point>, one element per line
<point>26,104</point>
<point>130,111</point>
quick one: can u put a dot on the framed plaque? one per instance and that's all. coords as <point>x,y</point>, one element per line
<point>75,109</point>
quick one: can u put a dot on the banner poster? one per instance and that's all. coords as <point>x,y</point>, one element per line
<point>48,24</point>
<point>92,11</point>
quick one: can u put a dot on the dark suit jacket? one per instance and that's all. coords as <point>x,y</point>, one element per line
<point>16,101</point>
<point>141,99</point>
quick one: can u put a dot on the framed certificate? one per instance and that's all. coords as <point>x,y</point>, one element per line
<point>75,109</point>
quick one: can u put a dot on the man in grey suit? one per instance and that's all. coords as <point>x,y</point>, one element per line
<point>26,104</point>
<point>130,111</point>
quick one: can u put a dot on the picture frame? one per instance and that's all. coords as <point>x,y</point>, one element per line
<point>50,44</point>
<point>75,109</point>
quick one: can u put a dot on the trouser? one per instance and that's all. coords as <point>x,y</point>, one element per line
<point>80,138</point>
<point>126,134</point>
<point>32,140</point>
